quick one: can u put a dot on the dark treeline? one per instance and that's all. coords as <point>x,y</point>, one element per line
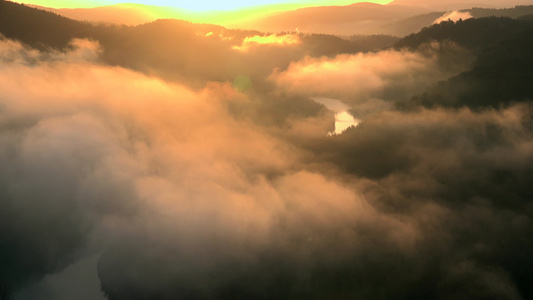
<point>502,72</point>
<point>416,23</point>
<point>39,28</point>
<point>514,12</point>
<point>472,33</point>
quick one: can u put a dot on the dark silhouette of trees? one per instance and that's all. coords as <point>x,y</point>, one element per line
<point>330,45</point>
<point>502,73</point>
<point>474,34</point>
<point>38,28</point>
<point>514,12</point>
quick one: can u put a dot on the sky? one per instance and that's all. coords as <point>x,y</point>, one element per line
<point>192,5</point>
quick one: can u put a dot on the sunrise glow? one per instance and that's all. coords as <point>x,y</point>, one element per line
<point>271,40</point>
<point>202,5</point>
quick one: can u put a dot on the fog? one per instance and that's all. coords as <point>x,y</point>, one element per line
<point>237,189</point>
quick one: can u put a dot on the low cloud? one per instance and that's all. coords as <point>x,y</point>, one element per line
<point>81,51</point>
<point>220,193</point>
<point>390,75</point>
<point>99,157</point>
<point>453,16</point>
<point>270,40</point>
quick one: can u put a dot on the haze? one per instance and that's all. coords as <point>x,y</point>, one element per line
<point>363,151</point>
<point>191,5</point>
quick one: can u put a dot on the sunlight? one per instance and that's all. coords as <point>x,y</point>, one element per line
<point>274,39</point>
<point>203,5</point>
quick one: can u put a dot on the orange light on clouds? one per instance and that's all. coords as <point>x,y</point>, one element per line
<point>274,40</point>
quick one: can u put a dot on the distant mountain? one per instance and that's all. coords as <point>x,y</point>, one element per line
<point>370,18</point>
<point>355,19</point>
<point>414,24</point>
<point>457,4</point>
<point>410,25</point>
<point>514,12</point>
<point>137,14</point>
<point>358,18</point>
<point>127,14</point>
<point>174,49</point>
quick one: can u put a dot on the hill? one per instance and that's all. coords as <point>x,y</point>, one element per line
<point>514,12</point>
<point>137,14</point>
<point>472,33</point>
<point>38,28</point>
<point>502,73</point>
<point>126,14</point>
<point>455,4</point>
<point>416,23</point>
<point>358,18</point>
<point>174,49</point>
